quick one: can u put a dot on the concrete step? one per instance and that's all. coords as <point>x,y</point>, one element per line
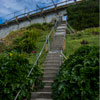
<point>61,28</point>
<point>55,48</point>
<point>51,59</point>
<point>58,39</point>
<point>62,25</point>
<point>41,95</point>
<point>50,69</point>
<point>51,65</point>
<point>57,45</point>
<point>48,78</point>
<point>53,54</point>
<point>47,83</point>
<point>51,62</point>
<point>46,89</point>
<point>41,99</point>
<point>49,74</point>
<point>60,33</point>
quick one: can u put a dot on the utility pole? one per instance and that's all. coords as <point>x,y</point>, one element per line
<point>42,11</point>
<point>53,2</point>
<point>55,5</point>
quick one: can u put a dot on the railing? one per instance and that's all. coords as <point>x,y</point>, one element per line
<point>63,55</point>
<point>38,10</point>
<point>46,41</point>
<point>70,29</point>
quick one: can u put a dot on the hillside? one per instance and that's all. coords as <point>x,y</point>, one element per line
<point>18,53</point>
<point>78,76</point>
<point>84,15</point>
<point>27,38</point>
<point>52,76</point>
<point>88,37</point>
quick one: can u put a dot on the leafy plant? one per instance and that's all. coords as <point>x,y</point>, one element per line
<point>43,26</point>
<point>84,15</point>
<point>27,41</point>
<point>78,76</point>
<point>14,68</point>
<point>73,42</point>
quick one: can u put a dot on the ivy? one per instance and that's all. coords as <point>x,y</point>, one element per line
<point>78,77</point>
<point>14,68</point>
<point>84,14</point>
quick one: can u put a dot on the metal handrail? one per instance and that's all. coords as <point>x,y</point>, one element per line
<point>63,55</point>
<point>53,28</point>
<point>70,28</point>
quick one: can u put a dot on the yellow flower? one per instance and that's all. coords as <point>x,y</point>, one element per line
<point>11,54</point>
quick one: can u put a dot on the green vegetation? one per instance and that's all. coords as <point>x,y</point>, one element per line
<point>78,77</point>
<point>14,68</point>
<point>28,39</point>
<point>74,41</point>
<point>84,15</point>
<point>17,57</point>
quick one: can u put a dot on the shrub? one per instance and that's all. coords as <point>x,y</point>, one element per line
<point>27,41</point>
<point>14,69</point>
<point>84,15</point>
<point>78,77</point>
<point>37,25</point>
<point>44,26</point>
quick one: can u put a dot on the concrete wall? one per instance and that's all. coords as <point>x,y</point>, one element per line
<point>4,31</point>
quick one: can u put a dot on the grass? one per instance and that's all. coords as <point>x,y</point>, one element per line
<point>42,29</point>
<point>73,42</point>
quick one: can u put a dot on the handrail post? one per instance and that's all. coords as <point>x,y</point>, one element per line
<point>64,44</point>
<point>52,34</point>
<point>46,48</point>
<point>37,59</point>
<point>61,58</point>
<point>17,19</point>
<point>28,16</point>
<point>48,43</point>
<point>75,1</point>
<point>6,22</point>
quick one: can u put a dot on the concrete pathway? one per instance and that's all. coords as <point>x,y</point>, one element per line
<point>51,65</point>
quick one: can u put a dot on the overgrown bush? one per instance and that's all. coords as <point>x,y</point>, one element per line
<point>78,76</point>
<point>14,68</point>
<point>27,42</point>
<point>37,25</point>
<point>43,26</point>
<point>84,15</point>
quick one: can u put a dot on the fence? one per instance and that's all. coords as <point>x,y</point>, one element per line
<point>16,15</point>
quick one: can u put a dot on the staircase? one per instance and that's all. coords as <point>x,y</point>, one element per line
<point>51,64</point>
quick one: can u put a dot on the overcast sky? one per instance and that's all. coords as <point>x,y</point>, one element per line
<point>10,6</point>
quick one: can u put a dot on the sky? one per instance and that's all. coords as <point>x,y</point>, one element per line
<point>8,7</point>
